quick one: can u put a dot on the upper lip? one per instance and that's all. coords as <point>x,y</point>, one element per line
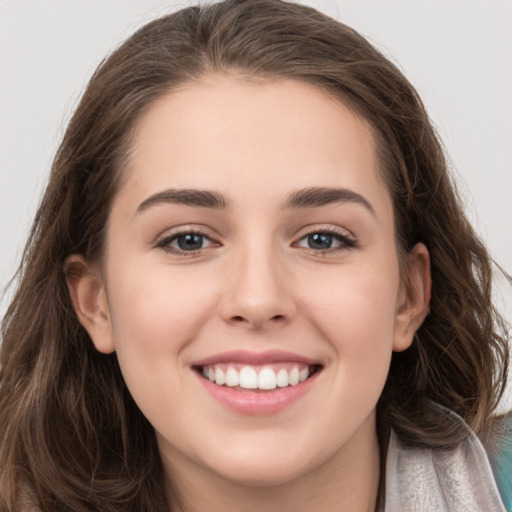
<point>255,358</point>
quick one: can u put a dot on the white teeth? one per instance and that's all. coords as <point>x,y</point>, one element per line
<point>294,376</point>
<point>248,378</point>
<point>267,379</point>
<point>232,378</point>
<point>220,376</point>
<point>282,378</point>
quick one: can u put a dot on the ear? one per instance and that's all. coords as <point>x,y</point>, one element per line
<point>89,297</point>
<point>413,298</point>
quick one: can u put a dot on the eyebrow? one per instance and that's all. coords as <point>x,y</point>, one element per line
<point>311,197</point>
<point>189,197</point>
<point>314,197</point>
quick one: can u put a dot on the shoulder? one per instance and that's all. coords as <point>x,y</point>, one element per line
<point>419,479</point>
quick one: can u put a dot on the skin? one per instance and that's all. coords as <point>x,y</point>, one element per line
<point>257,284</point>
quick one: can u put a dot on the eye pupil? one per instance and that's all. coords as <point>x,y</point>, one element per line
<point>320,241</point>
<point>190,242</point>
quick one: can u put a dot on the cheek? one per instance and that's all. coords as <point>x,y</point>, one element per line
<point>155,315</point>
<point>157,309</point>
<point>358,319</point>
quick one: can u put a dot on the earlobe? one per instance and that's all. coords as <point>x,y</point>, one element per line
<point>89,299</point>
<point>414,298</point>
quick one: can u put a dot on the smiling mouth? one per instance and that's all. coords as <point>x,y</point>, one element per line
<point>258,378</point>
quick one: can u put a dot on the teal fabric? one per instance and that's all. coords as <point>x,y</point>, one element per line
<point>501,464</point>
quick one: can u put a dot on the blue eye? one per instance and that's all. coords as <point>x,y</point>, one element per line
<point>190,242</point>
<point>325,241</point>
<point>185,242</point>
<point>320,241</point>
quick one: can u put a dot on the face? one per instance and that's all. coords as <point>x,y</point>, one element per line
<point>250,284</point>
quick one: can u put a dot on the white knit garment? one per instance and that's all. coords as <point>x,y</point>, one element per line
<point>424,480</point>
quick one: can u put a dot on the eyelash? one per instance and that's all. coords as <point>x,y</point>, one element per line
<point>346,242</point>
<point>165,242</point>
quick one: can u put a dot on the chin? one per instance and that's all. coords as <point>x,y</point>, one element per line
<point>267,461</point>
<point>263,474</point>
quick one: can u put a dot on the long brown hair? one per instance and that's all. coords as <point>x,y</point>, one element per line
<point>71,437</point>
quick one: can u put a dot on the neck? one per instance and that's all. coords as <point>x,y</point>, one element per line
<point>347,481</point>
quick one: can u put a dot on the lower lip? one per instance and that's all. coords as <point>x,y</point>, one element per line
<point>257,403</point>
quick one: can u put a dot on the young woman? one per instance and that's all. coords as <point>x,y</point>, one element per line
<point>250,285</point>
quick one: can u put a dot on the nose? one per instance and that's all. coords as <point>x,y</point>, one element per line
<point>259,292</point>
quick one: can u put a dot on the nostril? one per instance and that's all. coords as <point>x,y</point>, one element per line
<point>258,321</point>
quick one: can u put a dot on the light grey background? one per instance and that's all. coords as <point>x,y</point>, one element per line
<point>458,54</point>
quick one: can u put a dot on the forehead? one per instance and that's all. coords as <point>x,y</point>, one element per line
<point>225,131</point>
